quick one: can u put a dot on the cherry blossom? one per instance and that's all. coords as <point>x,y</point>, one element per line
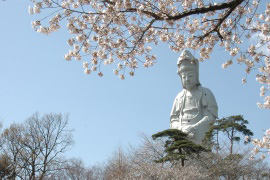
<point>262,146</point>
<point>121,33</point>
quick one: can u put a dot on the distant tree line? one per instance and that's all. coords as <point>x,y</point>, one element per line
<point>35,150</point>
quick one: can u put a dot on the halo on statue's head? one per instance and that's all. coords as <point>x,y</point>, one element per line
<point>187,62</point>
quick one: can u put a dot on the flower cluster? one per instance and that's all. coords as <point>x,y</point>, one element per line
<point>261,146</point>
<point>227,64</point>
<point>121,32</point>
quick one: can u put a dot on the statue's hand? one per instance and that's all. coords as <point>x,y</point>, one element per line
<point>190,135</point>
<point>190,130</point>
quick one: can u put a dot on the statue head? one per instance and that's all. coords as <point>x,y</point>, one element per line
<point>188,70</point>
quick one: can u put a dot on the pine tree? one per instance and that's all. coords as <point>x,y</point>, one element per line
<point>177,146</point>
<point>232,127</point>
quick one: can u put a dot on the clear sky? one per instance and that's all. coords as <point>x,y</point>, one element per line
<point>105,112</point>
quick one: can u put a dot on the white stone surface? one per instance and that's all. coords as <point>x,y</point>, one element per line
<point>195,107</point>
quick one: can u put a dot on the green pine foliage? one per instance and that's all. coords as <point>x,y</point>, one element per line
<point>177,146</point>
<point>233,127</point>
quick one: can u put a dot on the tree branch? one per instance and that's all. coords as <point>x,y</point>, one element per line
<point>231,5</point>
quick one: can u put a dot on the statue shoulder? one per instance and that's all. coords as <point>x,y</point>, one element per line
<point>180,95</point>
<point>210,101</point>
<point>207,92</point>
<point>177,104</point>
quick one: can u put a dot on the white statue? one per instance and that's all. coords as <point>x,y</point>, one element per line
<point>195,107</point>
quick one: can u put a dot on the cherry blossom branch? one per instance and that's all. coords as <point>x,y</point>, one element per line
<point>230,5</point>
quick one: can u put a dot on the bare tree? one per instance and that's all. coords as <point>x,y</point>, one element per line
<point>139,164</point>
<point>5,167</point>
<point>35,147</point>
<point>74,169</point>
<point>143,166</point>
<point>117,166</point>
<point>11,149</point>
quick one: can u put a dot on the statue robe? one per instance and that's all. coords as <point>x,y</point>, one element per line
<point>207,105</point>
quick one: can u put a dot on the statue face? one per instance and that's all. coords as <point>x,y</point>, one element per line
<point>189,79</point>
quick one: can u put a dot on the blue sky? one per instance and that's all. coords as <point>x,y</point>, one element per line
<point>105,112</point>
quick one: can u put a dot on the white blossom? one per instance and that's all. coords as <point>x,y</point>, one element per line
<point>36,23</point>
<point>262,156</point>
<point>247,138</point>
<point>67,57</point>
<point>93,68</point>
<point>120,66</point>
<point>85,65</point>
<point>262,146</point>
<point>227,64</point>
<point>30,10</point>
<point>115,72</point>
<point>131,73</point>
<point>87,71</point>
<point>255,150</point>
<point>124,32</point>
<point>122,77</point>
<point>100,74</point>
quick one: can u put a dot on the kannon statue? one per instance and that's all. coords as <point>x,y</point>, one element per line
<point>195,107</point>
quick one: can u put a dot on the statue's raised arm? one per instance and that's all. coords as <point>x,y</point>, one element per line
<point>195,107</point>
